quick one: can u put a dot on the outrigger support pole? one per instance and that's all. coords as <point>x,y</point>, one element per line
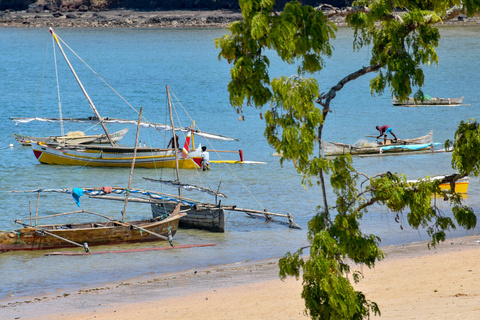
<point>260,214</point>
<point>43,231</point>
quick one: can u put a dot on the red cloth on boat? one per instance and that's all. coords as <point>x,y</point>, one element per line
<point>107,190</point>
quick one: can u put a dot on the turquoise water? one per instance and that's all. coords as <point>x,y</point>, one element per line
<point>139,64</point>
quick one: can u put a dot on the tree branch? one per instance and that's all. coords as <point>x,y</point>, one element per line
<point>452,13</point>
<point>324,99</point>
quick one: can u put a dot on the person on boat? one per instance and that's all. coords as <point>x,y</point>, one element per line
<point>385,130</point>
<point>205,159</point>
<point>171,142</point>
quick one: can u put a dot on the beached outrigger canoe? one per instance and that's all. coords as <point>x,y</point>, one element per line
<point>55,236</point>
<point>34,236</point>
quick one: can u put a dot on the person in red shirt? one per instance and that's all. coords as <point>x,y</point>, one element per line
<point>384,130</point>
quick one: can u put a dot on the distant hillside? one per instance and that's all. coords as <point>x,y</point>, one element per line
<point>97,5</point>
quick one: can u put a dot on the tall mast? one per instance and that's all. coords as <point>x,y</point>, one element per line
<point>174,140</point>
<point>124,212</point>
<point>83,89</point>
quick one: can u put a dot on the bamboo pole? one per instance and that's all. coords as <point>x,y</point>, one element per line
<point>130,184</point>
<point>140,200</point>
<point>36,213</point>
<point>291,224</point>
<point>150,232</point>
<point>176,210</point>
<point>72,212</point>
<point>30,209</point>
<point>64,239</point>
<point>228,151</point>
<point>133,164</point>
<point>178,184</point>
<point>125,224</point>
<point>54,235</point>
<point>152,192</point>
<point>90,102</point>
<point>262,214</point>
<point>173,135</point>
<point>118,188</point>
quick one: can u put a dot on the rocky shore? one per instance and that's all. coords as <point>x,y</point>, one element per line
<point>142,19</point>
<point>119,18</point>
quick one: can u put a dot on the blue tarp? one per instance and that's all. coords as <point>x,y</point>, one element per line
<point>410,146</point>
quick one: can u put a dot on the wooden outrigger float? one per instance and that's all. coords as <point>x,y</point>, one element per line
<point>208,216</point>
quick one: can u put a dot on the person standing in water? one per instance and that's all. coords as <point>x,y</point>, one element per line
<point>205,159</point>
<point>384,130</point>
<point>172,143</point>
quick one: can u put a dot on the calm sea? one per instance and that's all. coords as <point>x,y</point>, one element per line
<point>138,64</point>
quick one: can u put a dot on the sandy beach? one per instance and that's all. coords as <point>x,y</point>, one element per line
<point>413,282</point>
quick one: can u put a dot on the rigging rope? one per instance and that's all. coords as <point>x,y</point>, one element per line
<point>58,89</point>
<point>121,97</point>
<point>94,72</point>
<point>107,84</point>
<point>198,171</point>
<point>43,77</point>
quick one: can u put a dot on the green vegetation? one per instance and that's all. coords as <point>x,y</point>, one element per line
<point>400,43</point>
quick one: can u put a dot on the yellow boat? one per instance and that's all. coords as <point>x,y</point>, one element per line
<point>107,156</point>
<point>461,186</point>
<point>113,155</point>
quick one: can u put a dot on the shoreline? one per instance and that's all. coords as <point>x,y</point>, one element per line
<point>121,18</point>
<point>128,18</point>
<point>148,297</point>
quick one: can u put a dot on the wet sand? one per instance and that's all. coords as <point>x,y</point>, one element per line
<point>413,282</point>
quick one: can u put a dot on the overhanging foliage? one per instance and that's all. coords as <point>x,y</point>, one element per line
<point>402,37</point>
